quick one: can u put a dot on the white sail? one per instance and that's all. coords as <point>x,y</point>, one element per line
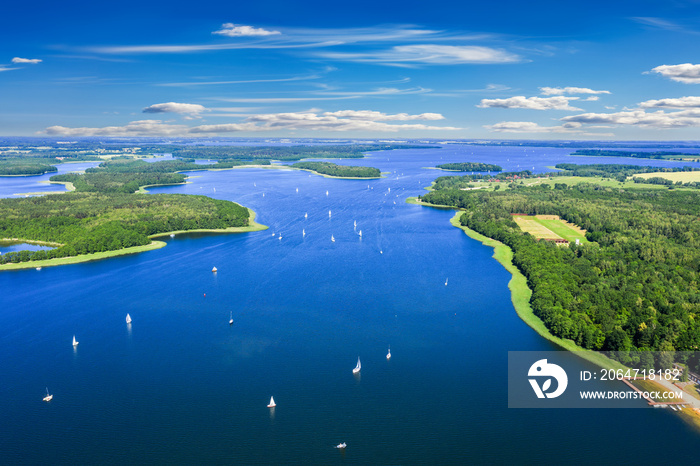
<point>355,223</point>
<point>75,343</point>
<point>388,355</point>
<point>341,446</point>
<point>214,269</point>
<point>48,397</point>
<point>306,215</point>
<point>272,403</point>
<point>303,232</point>
<point>358,367</point>
<point>128,319</point>
<point>297,189</point>
<point>326,193</point>
<point>360,233</point>
<point>329,214</point>
<point>446,281</point>
<point>230,320</point>
<point>332,238</point>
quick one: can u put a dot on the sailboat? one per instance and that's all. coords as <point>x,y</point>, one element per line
<point>272,403</point>
<point>214,269</point>
<point>48,396</point>
<point>360,233</point>
<point>303,232</point>
<point>306,215</point>
<point>354,223</point>
<point>446,281</point>
<point>357,368</point>
<point>341,446</point>
<point>230,320</point>
<point>75,343</point>
<point>332,238</point>
<point>297,189</point>
<point>388,355</point>
<point>326,193</point>
<point>280,236</point>
<point>128,319</point>
<point>329,214</point>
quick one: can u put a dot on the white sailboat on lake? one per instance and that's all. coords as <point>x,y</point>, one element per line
<point>128,319</point>
<point>360,233</point>
<point>329,213</point>
<point>332,238</point>
<point>303,232</point>
<point>48,396</point>
<point>306,215</point>
<point>272,403</point>
<point>358,367</point>
<point>446,281</point>
<point>388,355</point>
<point>75,343</point>
<point>230,320</point>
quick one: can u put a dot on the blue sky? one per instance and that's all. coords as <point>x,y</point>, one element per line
<point>361,69</point>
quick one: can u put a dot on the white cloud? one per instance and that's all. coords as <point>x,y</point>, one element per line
<point>532,127</point>
<point>429,54</point>
<point>175,107</point>
<point>569,90</point>
<point>231,30</point>
<point>32,61</point>
<point>684,73</point>
<point>658,119</point>
<point>5,68</point>
<point>681,102</point>
<point>370,115</point>
<point>592,98</point>
<point>532,103</point>
<point>362,120</point>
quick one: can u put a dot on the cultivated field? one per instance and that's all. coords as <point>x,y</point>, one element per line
<point>550,227</point>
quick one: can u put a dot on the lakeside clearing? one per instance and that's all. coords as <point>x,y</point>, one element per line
<point>550,227</point>
<point>683,177</point>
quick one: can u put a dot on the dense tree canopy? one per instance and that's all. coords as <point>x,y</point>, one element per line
<point>470,167</point>
<point>634,287</point>
<point>343,171</point>
<point>97,222</point>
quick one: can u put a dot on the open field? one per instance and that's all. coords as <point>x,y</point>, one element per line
<point>550,226</point>
<point>683,177</point>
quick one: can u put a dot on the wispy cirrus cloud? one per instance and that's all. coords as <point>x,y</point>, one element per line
<point>428,54</point>
<point>327,95</point>
<point>232,30</point>
<point>569,90</point>
<point>7,68</point>
<point>686,73</point>
<point>661,23</point>
<point>244,81</point>
<point>30,61</point>
<point>341,121</point>
<point>531,103</point>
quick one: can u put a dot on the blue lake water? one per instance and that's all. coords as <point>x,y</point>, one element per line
<point>182,386</point>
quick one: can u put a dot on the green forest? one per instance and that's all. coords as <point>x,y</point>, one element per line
<point>95,222</point>
<point>25,166</point>
<point>633,288</point>
<point>470,167</point>
<point>342,171</point>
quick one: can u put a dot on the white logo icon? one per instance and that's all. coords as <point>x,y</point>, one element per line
<point>543,369</point>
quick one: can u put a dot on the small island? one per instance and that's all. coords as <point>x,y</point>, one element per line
<point>338,171</point>
<point>470,167</point>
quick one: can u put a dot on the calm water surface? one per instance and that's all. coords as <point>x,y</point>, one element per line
<point>182,386</point>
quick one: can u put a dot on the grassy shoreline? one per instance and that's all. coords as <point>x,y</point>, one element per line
<point>253,226</point>
<point>520,292</point>
<point>520,296</point>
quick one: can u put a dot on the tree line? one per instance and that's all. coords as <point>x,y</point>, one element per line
<point>633,288</point>
<point>343,171</point>
<point>96,222</point>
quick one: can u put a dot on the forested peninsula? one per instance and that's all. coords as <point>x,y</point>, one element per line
<point>339,171</point>
<point>632,287</point>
